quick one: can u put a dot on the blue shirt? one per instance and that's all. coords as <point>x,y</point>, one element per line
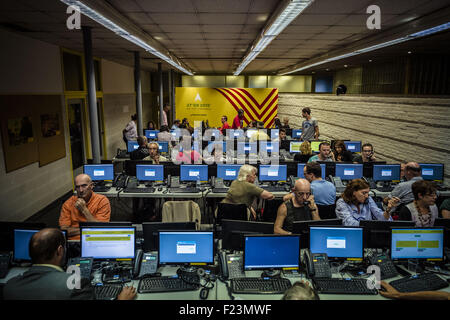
<point>324,192</point>
<point>350,216</point>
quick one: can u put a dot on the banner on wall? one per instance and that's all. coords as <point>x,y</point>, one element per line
<point>197,104</point>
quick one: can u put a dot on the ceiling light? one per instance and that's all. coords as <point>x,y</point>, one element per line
<point>345,66</point>
<point>273,29</point>
<point>412,36</point>
<point>109,24</point>
<point>409,52</point>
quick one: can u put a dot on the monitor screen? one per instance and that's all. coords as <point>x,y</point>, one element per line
<point>154,172</point>
<point>151,231</point>
<point>250,132</point>
<point>22,239</point>
<point>185,247</point>
<point>163,146</point>
<point>132,145</point>
<point>194,172</point>
<point>353,146</point>
<point>349,171</point>
<point>99,172</point>
<point>233,232</point>
<point>296,133</point>
<point>274,133</point>
<point>7,232</point>
<point>279,251</point>
<point>417,243</point>
<point>294,146</point>
<point>228,171</point>
<point>212,145</point>
<point>432,171</point>
<point>151,134</point>
<point>386,172</point>
<point>337,242</point>
<point>247,147</point>
<point>108,242</point>
<point>272,172</point>
<point>269,146</point>
<point>300,172</point>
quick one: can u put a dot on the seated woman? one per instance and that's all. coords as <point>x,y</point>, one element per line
<point>305,152</point>
<point>356,205</point>
<point>423,210</point>
<point>151,125</point>
<point>341,154</point>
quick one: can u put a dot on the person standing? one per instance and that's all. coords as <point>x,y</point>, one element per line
<point>225,125</point>
<point>166,109</point>
<point>238,122</point>
<point>310,126</point>
<point>130,131</point>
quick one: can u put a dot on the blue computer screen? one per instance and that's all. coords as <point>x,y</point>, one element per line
<point>418,243</point>
<point>300,167</point>
<point>99,172</point>
<point>432,171</point>
<point>186,247</point>
<point>353,146</point>
<point>274,133</point>
<point>108,242</point>
<point>271,252</point>
<point>21,244</point>
<point>163,146</point>
<point>193,172</point>
<point>228,171</point>
<point>349,171</point>
<point>296,133</point>
<point>272,172</point>
<point>386,172</point>
<point>337,242</point>
<point>247,147</point>
<point>151,134</point>
<point>132,145</point>
<point>269,146</point>
<point>212,145</point>
<point>147,172</point>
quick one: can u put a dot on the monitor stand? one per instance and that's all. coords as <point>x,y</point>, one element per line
<point>149,184</point>
<point>271,273</point>
<point>416,265</point>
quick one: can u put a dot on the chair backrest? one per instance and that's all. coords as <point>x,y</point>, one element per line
<point>181,211</point>
<point>327,212</point>
<point>231,211</point>
<point>271,209</point>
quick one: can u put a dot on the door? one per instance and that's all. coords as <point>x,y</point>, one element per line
<point>76,126</point>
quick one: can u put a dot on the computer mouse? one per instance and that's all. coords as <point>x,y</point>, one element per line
<point>204,293</point>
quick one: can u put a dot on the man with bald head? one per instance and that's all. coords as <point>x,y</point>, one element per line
<point>86,205</point>
<point>403,190</point>
<point>301,207</point>
<point>46,280</point>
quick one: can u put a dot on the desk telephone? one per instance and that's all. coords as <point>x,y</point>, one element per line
<point>387,267</point>
<point>145,263</point>
<point>340,187</point>
<point>85,265</point>
<point>231,265</point>
<point>121,181</point>
<point>173,181</point>
<point>217,182</point>
<point>317,265</point>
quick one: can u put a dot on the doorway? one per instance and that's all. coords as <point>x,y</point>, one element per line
<point>76,127</point>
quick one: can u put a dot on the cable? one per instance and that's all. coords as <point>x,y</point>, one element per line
<point>230,293</point>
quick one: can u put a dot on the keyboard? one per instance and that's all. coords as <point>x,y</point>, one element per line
<point>139,190</point>
<point>385,188</point>
<point>220,190</point>
<point>260,285</point>
<point>343,286</point>
<point>184,190</point>
<point>165,284</point>
<point>420,282</point>
<point>107,292</point>
<point>276,188</point>
<point>101,188</point>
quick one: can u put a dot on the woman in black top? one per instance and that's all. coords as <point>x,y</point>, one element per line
<point>341,154</point>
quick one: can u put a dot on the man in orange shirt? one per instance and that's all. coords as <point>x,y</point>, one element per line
<point>85,206</point>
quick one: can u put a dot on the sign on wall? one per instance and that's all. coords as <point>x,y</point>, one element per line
<point>197,104</point>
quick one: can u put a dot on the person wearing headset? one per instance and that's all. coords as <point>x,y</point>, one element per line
<point>367,154</point>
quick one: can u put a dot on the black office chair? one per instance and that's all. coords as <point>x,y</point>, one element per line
<point>327,212</point>
<point>270,210</point>
<point>231,211</point>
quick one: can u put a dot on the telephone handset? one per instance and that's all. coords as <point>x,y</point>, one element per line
<point>121,181</point>
<point>317,265</point>
<point>145,263</point>
<point>231,265</point>
<point>340,187</point>
<point>370,182</point>
<point>173,181</point>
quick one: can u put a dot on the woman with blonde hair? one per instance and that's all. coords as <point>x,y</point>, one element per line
<point>305,152</point>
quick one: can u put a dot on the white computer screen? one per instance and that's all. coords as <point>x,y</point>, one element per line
<point>108,242</point>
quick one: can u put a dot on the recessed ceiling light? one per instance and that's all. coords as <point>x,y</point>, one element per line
<point>345,65</point>
<point>409,52</point>
<point>370,60</point>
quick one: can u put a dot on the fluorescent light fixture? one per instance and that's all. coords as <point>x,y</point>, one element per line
<point>107,23</point>
<point>290,12</point>
<point>412,36</point>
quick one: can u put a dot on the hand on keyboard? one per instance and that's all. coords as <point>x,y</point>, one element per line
<point>127,293</point>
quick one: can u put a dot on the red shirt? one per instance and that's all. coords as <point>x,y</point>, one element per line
<point>224,127</point>
<point>237,122</point>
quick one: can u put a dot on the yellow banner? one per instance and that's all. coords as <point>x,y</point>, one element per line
<point>197,104</point>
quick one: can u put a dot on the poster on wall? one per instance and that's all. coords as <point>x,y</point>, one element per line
<point>197,104</point>
<point>50,125</point>
<point>20,131</point>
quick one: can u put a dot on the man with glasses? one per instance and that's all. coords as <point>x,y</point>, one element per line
<point>153,154</point>
<point>367,154</point>
<point>86,205</point>
<point>300,207</point>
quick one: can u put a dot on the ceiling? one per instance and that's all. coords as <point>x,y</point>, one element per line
<point>213,36</point>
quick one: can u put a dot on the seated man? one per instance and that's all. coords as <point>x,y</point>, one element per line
<point>165,135</point>
<point>86,205</point>
<point>300,207</point>
<point>325,153</point>
<point>445,208</point>
<point>367,154</point>
<point>142,151</point>
<point>403,190</point>
<point>46,280</point>
<point>154,156</point>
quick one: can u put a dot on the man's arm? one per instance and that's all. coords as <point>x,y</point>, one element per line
<point>392,293</point>
<point>281,216</point>
<point>316,133</point>
<point>445,214</point>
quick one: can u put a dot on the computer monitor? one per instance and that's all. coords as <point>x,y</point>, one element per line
<point>194,172</point>
<point>300,172</point>
<point>22,239</point>
<point>368,168</point>
<point>269,146</point>
<point>296,133</point>
<point>150,172</point>
<point>151,134</point>
<point>269,172</point>
<point>99,172</point>
<point>302,228</point>
<point>132,145</point>
<point>315,145</point>
<point>7,232</point>
<point>233,232</point>
<point>186,247</point>
<point>247,148</point>
<point>386,172</point>
<point>250,132</point>
<point>294,146</point>
<point>271,252</point>
<point>85,224</point>
<point>228,171</point>
<point>349,171</point>
<point>274,133</point>
<point>417,243</point>
<point>432,171</point>
<point>163,146</point>
<point>353,146</point>
<point>151,232</point>
<point>108,242</point>
<point>377,233</point>
<point>337,242</point>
